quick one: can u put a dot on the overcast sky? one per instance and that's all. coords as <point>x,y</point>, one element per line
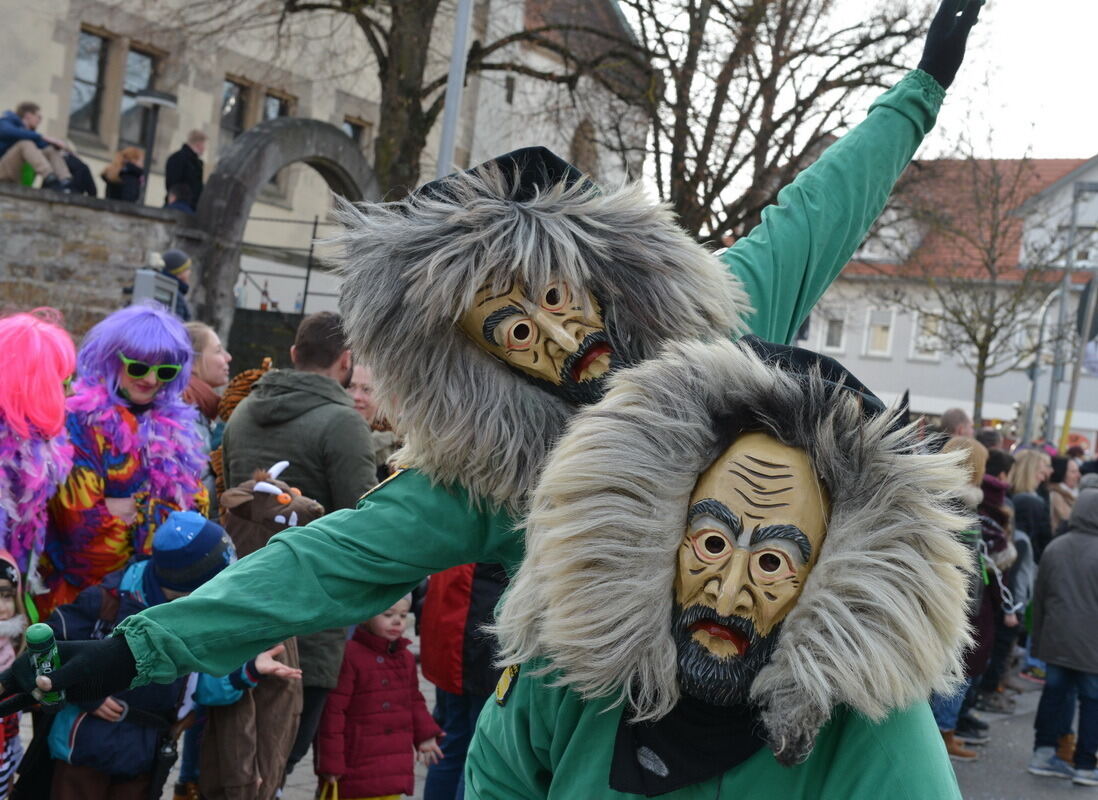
<point>1031,76</point>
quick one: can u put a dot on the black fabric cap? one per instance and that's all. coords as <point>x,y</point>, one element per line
<point>537,168</point>
<point>798,361</point>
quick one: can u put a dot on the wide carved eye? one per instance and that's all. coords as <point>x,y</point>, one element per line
<point>556,297</point>
<point>711,545</point>
<point>771,565</point>
<point>520,334</point>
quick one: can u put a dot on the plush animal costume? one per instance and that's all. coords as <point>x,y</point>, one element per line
<point>246,744</point>
<point>611,699</point>
<point>490,305</point>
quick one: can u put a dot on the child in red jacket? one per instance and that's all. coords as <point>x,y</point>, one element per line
<point>376,717</point>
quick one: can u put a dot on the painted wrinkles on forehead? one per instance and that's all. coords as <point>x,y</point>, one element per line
<point>538,334</point>
<point>767,510</point>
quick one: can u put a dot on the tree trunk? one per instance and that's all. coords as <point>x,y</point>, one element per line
<point>978,395</point>
<point>403,124</point>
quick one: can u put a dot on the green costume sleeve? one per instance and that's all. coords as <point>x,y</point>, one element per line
<point>802,242</point>
<point>337,571</point>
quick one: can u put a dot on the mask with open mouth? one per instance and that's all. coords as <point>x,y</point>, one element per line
<point>720,680</point>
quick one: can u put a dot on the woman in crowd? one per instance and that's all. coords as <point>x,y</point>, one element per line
<point>125,175</point>
<point>381,432</point>
<point>37,359</point>
<point>210,372</point>
<point>1031,512</point>
<point>1062,490</point>
<point>137,451</point>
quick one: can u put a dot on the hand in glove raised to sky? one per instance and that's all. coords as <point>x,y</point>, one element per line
<point>90,670</point>
<point>945,41</point>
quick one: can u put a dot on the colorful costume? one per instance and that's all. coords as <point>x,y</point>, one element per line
<point>477,427</point>
<point>814,601</point>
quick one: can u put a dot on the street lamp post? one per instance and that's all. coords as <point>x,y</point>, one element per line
<point>451,110</point>
<point>154,101</point>
<point>1078,190</point>
<point>1031,408</point>
<point>1084,339</point>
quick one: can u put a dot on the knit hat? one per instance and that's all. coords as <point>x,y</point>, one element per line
<point>176,262</point>
<point>188,550</point>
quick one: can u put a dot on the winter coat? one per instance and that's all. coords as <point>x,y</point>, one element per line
<point>128,747</point>
<point>128,186</point>
<point>374,719</point>
<point>1065,602</point>
<point>1061,499</point>
<point>310,421</point>
<point>184,166</point>
<point>13,130</point>
<point>182,309</point>
<point>455,652</point>
<point>1032,516</point>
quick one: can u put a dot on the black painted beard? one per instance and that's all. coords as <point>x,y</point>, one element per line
<point>583,393</point>
<point>709,678</point>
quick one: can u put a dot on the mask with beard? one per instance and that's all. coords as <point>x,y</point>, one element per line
<point>557,340</point>
<point>757,519</point>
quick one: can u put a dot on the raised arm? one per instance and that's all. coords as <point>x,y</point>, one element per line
<point>804,240</point>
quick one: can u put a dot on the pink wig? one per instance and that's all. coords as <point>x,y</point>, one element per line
<point>36,356</point>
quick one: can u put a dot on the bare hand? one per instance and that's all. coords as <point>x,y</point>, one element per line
<point>265,664</point>
<point>60,144</point>
<point>125,508</point>
<point>329,778</point>
<point>429,752</point>
<point>1011,620</point>
<point>111,710</point>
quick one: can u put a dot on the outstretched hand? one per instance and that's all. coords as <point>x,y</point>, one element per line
<point>945,41</point>
<point>268,666</point>
<point>90,670</point>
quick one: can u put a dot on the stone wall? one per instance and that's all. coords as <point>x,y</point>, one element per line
<point>75,253</point>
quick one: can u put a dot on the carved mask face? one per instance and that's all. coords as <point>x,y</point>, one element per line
<point>557,338</point>
<point>757,519</point>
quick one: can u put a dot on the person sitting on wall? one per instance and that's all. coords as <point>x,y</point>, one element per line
<point>180,198</point>
<point>21,143</point>
<point>125,175</point>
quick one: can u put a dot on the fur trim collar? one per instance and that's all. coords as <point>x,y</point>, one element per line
<point>30,471</point>
<point>881,621</point>
<point>411,268</point>
<point>165,441</point>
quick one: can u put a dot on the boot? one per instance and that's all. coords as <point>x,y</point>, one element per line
<point>1065,748</point>
<point>187,791</point>
<point>956,750</point>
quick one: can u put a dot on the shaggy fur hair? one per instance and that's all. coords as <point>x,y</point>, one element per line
<point>881,620</point>
<point>412,268</point>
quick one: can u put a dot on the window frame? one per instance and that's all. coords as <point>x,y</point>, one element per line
<point>243,102</point>
<point>154,58</point>
<point>838,315</point>
<point>95,130</point>
<point>887,352</point>
<point>913,353</point>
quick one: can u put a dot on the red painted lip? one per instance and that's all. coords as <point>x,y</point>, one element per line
<point>721,632</point>
<point>589,358</point>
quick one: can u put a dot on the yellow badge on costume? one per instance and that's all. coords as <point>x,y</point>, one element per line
<point>506,684</point>
<point>398,471</point>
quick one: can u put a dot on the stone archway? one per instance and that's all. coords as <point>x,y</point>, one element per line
<point>248,164</point>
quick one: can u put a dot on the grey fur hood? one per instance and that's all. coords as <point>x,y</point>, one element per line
<point>412,268</point>
<point>881,621</point>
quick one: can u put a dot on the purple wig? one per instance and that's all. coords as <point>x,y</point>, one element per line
<point>146,333</point>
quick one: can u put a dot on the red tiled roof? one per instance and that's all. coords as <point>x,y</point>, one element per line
<point>969,205</point>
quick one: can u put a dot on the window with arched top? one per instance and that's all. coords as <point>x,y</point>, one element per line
<point>584,151</point>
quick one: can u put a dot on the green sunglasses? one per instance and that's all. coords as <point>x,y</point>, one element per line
<point>139,369</point>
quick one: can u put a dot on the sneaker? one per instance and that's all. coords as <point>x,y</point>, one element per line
<point>1046,764</point>
<point>1033,675</point>
<point>968,735</point>
<point>54,183</point>
<point>972,722</point>
<point>1085,777</point>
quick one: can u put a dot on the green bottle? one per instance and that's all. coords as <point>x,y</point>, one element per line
<point>44,657</point>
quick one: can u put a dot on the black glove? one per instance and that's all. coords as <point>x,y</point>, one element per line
<point>90,670</point>
<point>945,41</point>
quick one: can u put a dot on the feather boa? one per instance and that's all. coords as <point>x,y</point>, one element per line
<point>30,471</point>
<point>166,442</point>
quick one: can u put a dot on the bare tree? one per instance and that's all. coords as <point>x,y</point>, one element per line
<point>752,91</point>
<point>398,35</point>
<point>975,252</point>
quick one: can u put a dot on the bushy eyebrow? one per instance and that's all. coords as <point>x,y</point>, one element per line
<point>497,317</point>
<point>790,533</point>
<point>717,510</point>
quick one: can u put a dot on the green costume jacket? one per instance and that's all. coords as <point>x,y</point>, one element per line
<point>545,743</point>
<point>352,564</point>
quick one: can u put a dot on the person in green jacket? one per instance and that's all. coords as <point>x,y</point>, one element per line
<point>755,599</point>
<point>491,304</point>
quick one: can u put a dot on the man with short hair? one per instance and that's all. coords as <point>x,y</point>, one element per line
<point>184,166</point>
<point>955,422</point>
<point>306,417</point>
<point>21,143</point>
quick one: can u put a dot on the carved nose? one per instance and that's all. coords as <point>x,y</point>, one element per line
<point>735,599</point>
<point>557,333</point>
